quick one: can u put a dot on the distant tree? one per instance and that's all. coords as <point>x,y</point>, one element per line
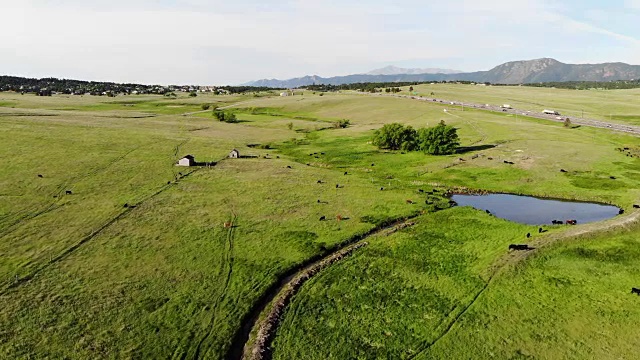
<point>387,90</point>
<point>341,124</point>
<point>567,123</point>
<point>193,94</point>
<point>411,88</point>
<point>290,126</point>
<point>395,136</point>
<point>439,140</point>
<point>205,106</point>
<point>227,117</point>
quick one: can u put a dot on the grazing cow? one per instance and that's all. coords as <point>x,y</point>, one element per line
<point>168,182</point>
<point>40,175</point>
<point>409,201</point>
<point>345,173</point>
<point>381,188</point>
<point>612,177</point>
<point>126,205</point>
<point>337,186</point>
<point>420,190</point>
<point>621,211</point>
<point>277,156</point>
<point>518,247</point>
<point>490,158</point>
<point>319,181</point>
<point>288,166</point>
<point>68,192</point>
<point>475,156</point>
<point>528,235</point>
<point>635,206</point>
<point>318,201</point>
<point>635,291</point>
<point>227,224</point>
<point>540,230</point>
<point>323,218</point>
<point>339,217</point>
<point>461,159</point>
<point>372,164</point>
<point>557,222</point>
<point>563,170</point>
<point>571,222</point>
<point>487,211</point>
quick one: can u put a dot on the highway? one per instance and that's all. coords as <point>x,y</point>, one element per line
<point>635,130</point>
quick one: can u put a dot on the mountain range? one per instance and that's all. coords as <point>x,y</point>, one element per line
<point>514,72</point>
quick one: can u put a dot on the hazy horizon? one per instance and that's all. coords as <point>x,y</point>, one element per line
<point>218,42</point>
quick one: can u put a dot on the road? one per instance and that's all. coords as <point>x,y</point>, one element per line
<point>635,130</point>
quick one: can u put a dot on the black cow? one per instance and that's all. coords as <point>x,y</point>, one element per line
<point>125,205</point>
<point>68,192</point>
<point>487,211</point>
<point>557,222</point>
<point>528,235</point>
<point>318,201</point>
<point>288,166</point>
<point>612,177</point>
<point>635,291</point>
<point>563,170</point>
<point>323,218</point>
<point>319,181</point>
<point>345,173</point>
<point>621,211</point>
<point>40,175</point>
<point>490,158</point>
<point>540,230</point>
<point>635,206</point>
<point>420,190</point>
<point>337,186</point>
<point>372,164</point>
<point>381,188</point>
<point>518,247</point>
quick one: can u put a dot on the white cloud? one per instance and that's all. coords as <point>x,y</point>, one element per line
<point>200,41</point>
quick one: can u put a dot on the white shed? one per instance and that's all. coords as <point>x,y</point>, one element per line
<point>234,154</point>
<point>188,160</point>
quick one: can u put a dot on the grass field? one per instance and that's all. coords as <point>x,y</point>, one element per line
<point>620,106</point>
<point>83,276</point>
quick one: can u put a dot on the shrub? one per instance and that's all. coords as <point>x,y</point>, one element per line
<point>439,140</point>
<point>193,94</point>
<point>341,124</point>
<point>205,106</point>
<point>395,136</point>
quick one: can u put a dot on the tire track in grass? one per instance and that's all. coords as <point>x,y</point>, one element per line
<point>19,281</point>
<point>265,316</point>
<point>229,260</point>
<point>33,212</point>
<point>513,258</point>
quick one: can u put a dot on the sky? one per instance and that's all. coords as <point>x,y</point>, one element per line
<point>218,42</point>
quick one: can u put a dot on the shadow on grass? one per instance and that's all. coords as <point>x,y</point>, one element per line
<point>467,149</point>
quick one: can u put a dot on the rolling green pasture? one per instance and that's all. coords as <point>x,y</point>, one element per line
<point>621,106</point>
<point>83,276</point>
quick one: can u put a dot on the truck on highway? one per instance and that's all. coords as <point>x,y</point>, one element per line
<point>550,112</point>
<point>506,106</point>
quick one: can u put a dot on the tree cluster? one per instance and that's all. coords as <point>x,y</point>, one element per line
<point>441,139</point>
<point>223,116</point>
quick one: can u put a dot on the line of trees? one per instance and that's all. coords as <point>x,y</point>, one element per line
<point>441,139</point>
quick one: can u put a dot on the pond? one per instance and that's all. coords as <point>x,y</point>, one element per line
<point>536,211</point>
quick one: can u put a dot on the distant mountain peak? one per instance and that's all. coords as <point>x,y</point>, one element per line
<point>394,70</point>
<point>513,72</point>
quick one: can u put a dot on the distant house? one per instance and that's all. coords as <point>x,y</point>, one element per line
<point>234,154</point>
<point>284,94</point>
<point>188,160</point>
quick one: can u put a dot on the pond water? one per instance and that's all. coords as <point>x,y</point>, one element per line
<point>536,211</point>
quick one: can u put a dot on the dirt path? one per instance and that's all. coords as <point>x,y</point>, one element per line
<point>266,317</point>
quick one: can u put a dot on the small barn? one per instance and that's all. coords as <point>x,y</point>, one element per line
<point>188,160</point>
<point>234,154</point>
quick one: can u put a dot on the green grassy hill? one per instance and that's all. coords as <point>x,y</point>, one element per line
<point>83,276</point>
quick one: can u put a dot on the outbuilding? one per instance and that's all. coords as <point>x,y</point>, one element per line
<point>188,160</point>
<point>234,154</point>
